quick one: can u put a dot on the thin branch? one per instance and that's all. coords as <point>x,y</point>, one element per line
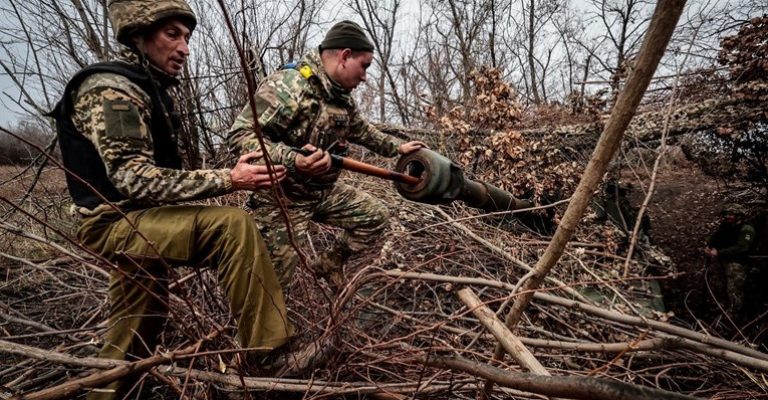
<point>572,387</point>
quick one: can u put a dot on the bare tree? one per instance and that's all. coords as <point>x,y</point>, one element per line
<point>45,42</point>
<point>381,22</point>
<point>623,22</point>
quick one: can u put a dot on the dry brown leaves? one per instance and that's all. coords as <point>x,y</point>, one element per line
<point>746,55</point>
<point>489,138</point>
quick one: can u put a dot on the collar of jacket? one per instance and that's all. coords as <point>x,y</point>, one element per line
<point>163,79</point>
<point>329,89</point>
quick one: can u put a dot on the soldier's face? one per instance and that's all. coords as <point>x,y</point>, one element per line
<point>352,68</point>
<point>167,47</point>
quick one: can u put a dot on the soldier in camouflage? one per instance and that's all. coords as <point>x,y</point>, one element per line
<point>117,130</point>
<point>614,205</point>
<point>730,246</point>
<point>310,105</point>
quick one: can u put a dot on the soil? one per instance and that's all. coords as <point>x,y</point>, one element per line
<point>15,180</point>
<point>684,211</point>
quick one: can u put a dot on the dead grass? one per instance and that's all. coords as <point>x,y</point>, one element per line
<point>379,325</point>
<point>36,202</point>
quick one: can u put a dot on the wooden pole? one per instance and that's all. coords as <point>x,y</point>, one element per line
<point>659,33</point>
<point>572,387</point>
<point>509,341</point>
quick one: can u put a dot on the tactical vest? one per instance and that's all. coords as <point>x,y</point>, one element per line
<point>328,129</point>
<point>80,155</point>
<point>728,236</point>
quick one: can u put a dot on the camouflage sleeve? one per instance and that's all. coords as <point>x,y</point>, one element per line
<point>278,103</point>
<point>599,207</point>
<point>365,134</point>
<point>114,114</point>
<point>743,242</point>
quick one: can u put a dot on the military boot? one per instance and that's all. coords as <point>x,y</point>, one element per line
<point>303,360</point>
<point>330,265</point>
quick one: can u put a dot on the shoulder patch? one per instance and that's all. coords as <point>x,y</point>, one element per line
<point>122,119</point>
<point>306,71</point>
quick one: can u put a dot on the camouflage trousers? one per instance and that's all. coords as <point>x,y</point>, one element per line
<point>144,244</point>
<point>735,278</point>
<point>362,217</point>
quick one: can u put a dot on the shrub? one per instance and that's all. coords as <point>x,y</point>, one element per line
<point>14,151</point>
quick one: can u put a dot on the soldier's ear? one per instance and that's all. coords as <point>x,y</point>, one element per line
<point>345,54</point>
<point>138,43</point>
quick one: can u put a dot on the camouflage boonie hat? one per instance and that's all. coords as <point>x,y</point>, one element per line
<point>128,16</point>
<point>735,209</point>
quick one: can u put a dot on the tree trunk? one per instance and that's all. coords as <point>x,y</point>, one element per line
<point>659,33</point>
<point>531,60</point>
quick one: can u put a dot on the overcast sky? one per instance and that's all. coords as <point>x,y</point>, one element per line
<point>9,111</point>
<point>335,9</point>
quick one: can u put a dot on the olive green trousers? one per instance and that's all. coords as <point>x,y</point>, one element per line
<point>144,244</point>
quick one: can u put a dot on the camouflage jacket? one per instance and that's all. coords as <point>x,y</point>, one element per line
<point>733,242</point>
<point>122,138</point>
<point>303,105</point>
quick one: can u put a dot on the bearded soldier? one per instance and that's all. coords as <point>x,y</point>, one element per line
<point>117,129</point>
<point>730,246</point>
<point>310,105</point>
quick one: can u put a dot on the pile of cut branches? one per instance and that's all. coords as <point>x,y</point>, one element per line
<point>416,318</point>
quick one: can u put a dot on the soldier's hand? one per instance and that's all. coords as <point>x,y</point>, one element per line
<point>410,147</point>
<point>246,176</point>
<point>317,163</point>
<point>710,252</point>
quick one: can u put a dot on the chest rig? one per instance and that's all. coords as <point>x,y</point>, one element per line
<point>328,127</point>
<point>329,119</point>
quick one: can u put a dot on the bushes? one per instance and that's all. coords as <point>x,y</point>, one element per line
<point>14,151</point>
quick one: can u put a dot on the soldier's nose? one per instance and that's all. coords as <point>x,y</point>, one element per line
<point>184,49</point>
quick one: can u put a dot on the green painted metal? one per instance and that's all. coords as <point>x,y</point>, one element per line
<point>443,181</point>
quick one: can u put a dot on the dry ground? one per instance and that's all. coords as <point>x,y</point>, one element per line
<point>379,329</point>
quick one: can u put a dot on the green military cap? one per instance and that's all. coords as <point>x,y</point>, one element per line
<point>735,209</point>
<point>129,16</point>
<point>346,35</point>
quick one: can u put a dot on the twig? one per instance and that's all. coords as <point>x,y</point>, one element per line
<point>614,316</point>
<point>122,369</point>
<point>662,26</point>
<point>248,383</point>
<point>27,322</point>
<point>69,388</point>
<point>662,152</point>
<point>509,257</point>
<point>564,386</point>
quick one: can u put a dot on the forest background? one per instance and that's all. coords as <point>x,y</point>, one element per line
<point>517,92</point>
